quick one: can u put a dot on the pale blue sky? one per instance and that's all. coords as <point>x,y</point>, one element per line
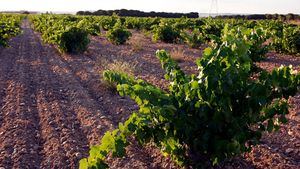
<point>202,6</point>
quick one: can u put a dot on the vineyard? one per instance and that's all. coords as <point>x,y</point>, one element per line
<point>10,26</point>
<point>140,92</point>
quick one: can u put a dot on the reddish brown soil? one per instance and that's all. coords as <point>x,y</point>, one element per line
<point>54,106</point>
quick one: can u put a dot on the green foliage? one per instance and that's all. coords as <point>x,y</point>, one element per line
<point>108,22</point>
<point>275,28</point>
<point>141,23</point>
<point>254,38</point>
<point>9,27</point>
<point>193,39</point>
<point>286,38</point>
<point>74,40</point>
<point>118,34</point>
<point>166,32</point>
<point>89,26</point>
<point>202,114</point>
<point>291,39</point>
<point>62,31</point>
<point>257,38</point>
<point>212,28</point>
<point>184,23</point>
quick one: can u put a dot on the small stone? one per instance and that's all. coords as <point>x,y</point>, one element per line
<point>77,154</point>
<point>63,139</point>
<point>289,150</point>
<point>15,151</point>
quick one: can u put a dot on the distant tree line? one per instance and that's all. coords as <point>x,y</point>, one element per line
<point>137,13</point>
<point>289,16</point>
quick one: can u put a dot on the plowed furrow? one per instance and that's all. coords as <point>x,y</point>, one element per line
<point>20,128</point>
<point>70,118</point>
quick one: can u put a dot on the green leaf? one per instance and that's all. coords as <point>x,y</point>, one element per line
<point>83,163</point>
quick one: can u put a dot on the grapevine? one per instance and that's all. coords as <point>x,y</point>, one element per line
<point>201,114</point>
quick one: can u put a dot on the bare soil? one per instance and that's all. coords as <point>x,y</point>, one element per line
<point>54,106</point>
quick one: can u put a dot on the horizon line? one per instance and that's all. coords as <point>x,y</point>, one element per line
<point>75,11</point>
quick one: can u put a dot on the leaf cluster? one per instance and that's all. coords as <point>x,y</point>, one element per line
<point>118,34</point>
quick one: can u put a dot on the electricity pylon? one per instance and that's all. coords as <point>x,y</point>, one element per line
<point>213,8</point>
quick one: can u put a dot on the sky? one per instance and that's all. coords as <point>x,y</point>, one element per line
<point>201,6</point>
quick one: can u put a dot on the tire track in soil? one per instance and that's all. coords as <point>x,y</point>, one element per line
<point>6,65</point>
<point>89,111</point>
<point>65,140</point>
<point>52,111</point>
<point>20,128</point>
<point>63,135</point>
<point>49,119</point>
<point>74,116</point>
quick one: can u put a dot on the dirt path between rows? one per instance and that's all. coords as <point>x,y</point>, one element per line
<point>48,119</point>
<point>53,107</point>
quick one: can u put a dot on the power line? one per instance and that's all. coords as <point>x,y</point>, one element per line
<point>214,9</point>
